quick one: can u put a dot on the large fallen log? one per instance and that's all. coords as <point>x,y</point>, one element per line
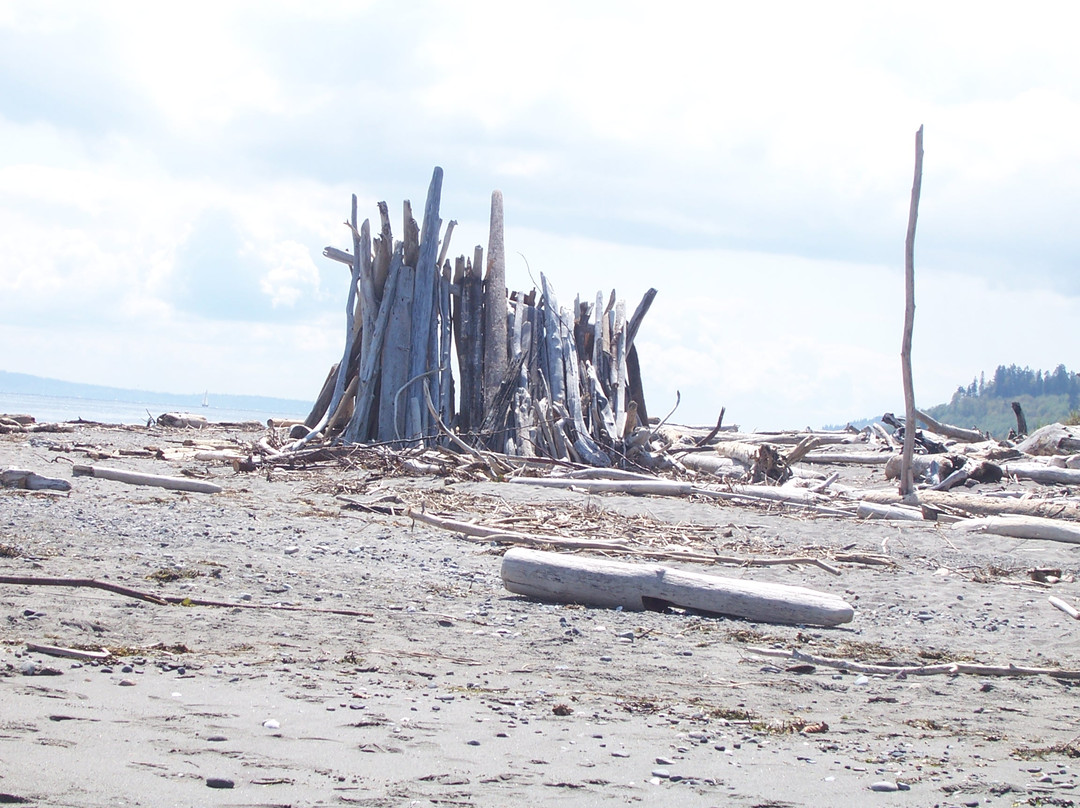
<point>635,587</point>
<point>138,478</point>
<point>1023,527</point>
<point>22,478</point>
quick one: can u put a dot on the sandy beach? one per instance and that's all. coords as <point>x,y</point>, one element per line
<point>403,673</point>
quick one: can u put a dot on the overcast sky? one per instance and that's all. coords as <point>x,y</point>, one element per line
<point>170,173</point>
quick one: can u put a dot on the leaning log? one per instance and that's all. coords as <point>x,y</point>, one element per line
<point>561,578</point>
<point>949,431</point>
<point>1047,475</point>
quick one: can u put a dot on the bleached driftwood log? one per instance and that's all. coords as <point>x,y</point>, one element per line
<point>1023,527</point>
<point>30,481</point>
<point>138,478</point>
<point>846,458</point>
<point>987,506</point>
<point>1052,439</point>
<point>1047,475</point>
<point>613,584</point>
<point>874,510</point>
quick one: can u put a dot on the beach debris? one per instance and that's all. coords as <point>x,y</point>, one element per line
<point>602,583</point>
<point>139,478</point>
<point>31,481</point>
<point>552,542</point>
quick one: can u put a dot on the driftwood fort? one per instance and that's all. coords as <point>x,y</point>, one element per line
<point>534,378</point>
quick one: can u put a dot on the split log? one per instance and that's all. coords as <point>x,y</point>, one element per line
<point>635,587</point>
<point>849,458</point>
<point>68,653</point>
<point>1023,527</point>
<point>138,478</point>
<point>28,480</point>
<point>954,432</point>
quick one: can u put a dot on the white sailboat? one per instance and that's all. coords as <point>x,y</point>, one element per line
<point>206,399</point>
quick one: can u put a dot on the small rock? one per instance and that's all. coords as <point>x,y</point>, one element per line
<point>473,743</point>
<point>661,773</point>
<point>664,762</point>
<point>220,782</point>
<point>126,683</point>
<point>292,550</point>
<point>884,785</point>
<point>272,723</point>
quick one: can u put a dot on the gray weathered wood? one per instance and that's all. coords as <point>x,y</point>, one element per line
<point>566,578</point>
<point>138,478</point>
<point>395,358</point>
<point>907,478</point>
<point>495,341</point>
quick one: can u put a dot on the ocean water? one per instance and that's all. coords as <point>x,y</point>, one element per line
<point>47,409</point>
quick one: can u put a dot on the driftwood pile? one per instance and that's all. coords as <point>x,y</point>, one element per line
<point>534,379</point>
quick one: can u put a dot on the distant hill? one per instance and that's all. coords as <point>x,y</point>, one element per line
<point>1046,397</point>
<point>26,384</point>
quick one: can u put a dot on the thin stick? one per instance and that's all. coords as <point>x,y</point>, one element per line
<point>907,478</point>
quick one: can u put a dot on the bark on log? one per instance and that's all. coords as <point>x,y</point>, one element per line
<point>635,587</point>
<point>138,478</point>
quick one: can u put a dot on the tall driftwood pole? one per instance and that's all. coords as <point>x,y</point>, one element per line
<point>907,478</point>
<point>495,344</point>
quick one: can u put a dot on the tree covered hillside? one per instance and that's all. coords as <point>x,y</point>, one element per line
<point>985,404</point>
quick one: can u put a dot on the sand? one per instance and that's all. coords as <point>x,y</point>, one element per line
<point>441,688</point>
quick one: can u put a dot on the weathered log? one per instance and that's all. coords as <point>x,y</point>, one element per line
<point>1023,527</point>
<point>495,342</point>
<point>395,355</point>
<point>853,458</point>
<point>635,587</point>
<point>873,510</point>
<point>949,431</point>
<point>30,481</point>
<point>1052,439</point>
<point>907,479</point>
<point>983,505</point>
<point>323,399</point>
<point>182,420</point>
<point>138,478</point>
<point>1047,475</point>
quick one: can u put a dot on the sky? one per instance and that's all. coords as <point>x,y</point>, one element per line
<point>170,174</point>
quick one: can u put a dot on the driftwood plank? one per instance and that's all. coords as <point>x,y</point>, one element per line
<point>634,587</point>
